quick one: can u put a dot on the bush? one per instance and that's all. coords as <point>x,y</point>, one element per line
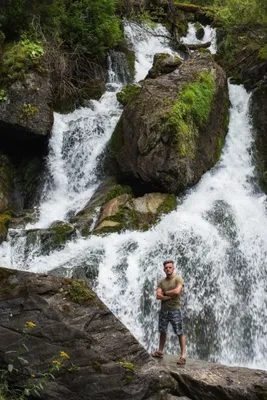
<point>20,57</point>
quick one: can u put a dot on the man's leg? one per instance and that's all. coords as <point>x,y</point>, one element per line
<point>182,342</point>
<point>162,341</point>
<point>163,325</point>
<point>177,324</point>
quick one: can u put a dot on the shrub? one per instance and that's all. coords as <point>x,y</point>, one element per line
<point>21,57</point>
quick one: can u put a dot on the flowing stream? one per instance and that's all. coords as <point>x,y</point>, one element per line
<point>217,235</point>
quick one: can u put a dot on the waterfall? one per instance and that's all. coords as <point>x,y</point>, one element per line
<point>217,235</point>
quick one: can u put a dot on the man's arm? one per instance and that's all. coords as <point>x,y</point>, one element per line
<point>178,290</point>
<point>161,296</point>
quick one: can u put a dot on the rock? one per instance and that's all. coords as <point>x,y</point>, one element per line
<point>163,63</point>
<point>172,131</point>
<point>6,184</point>
<point>203,380</point>
<point>200,33</point>
<point>127,212</point>
<point>49,239</point>
<point>26,114</point>
<point>20,222</point>
<point>258,110</point>
<point>107,224</point>
<point>84,219</point>
<point>105,360</point>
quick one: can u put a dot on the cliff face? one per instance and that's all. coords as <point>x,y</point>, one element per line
<point>59,325</point>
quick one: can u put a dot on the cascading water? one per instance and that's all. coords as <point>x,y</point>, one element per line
<point>216,235</point>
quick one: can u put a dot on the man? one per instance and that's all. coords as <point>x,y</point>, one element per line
<point>169,292</point>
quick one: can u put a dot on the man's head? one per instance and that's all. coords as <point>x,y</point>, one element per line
<point>168,267</point>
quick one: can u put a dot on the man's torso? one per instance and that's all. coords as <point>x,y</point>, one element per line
<point>169,284</point>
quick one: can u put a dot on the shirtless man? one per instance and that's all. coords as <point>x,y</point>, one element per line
<point>169,292</point>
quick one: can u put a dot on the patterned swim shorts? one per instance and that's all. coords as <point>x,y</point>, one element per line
<point>175,318</point>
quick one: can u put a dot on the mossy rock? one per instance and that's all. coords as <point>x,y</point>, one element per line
<point>163,63</point>
<point>128,93</point>
<point>81,294</point>
<point>200,32</point>
<point>118,190</point>
<point>51,238</point>
<point>190,112</point>
<point>168,205</point>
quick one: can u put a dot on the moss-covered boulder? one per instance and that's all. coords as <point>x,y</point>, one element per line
<point>139,213</point>
<point>171,132</point>
<point>50,239</point>
<point>25,110</point>
<point>163,63</point>
<point>84,220</point>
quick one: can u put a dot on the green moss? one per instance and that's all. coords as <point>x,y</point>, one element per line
<point>190,112</point>
<point>6,273</point>
<point>5,218</point>
<point>97,366</point>
<point>79,293</point>
<point>118,190</point>
<point>116,141</point>
<point>263,53</point>
<point>127,365</point>
<point>61,233</point>
<point>130,57</point>
<point>28,111</point>
<point>168,205</point>
<point>127,93</point>
<point>182,28</point>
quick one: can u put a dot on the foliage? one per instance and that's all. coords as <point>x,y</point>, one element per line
<point>18,368</point>
<point>91,25</point>
<point>28,111</point>
<point>79,293</point>
<point>3,96</point>
<point>246,12</point>
<point>20,58</point>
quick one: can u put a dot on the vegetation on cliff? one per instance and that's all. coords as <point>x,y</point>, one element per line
<point>68,39</point>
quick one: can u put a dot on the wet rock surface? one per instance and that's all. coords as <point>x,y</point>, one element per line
<point>107,361</point>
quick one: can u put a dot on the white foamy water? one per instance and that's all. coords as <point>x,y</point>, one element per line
<point>217,236</point>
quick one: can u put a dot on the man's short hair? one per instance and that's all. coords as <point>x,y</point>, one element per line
<point>167,262</point>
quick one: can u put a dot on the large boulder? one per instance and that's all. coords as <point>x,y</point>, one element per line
<point>26,111</point>
<point>173,127</point>
<point>51,325</point>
